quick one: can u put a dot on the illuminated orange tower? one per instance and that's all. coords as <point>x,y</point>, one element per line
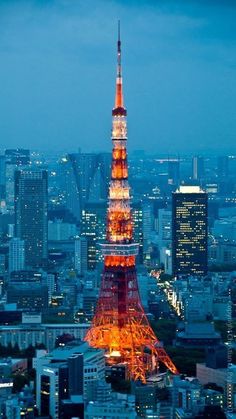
<point>120,326</point>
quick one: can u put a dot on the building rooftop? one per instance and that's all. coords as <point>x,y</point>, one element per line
<point>189,189</point>
<point>64,352</point>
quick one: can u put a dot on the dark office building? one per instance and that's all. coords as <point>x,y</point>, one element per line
<point>29,297</point>
<point>76,372</point>
<point>31,197</point>
<point>72,408</point>
<point>189,231</point>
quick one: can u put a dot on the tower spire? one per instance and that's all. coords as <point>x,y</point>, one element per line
<point>119,102</point>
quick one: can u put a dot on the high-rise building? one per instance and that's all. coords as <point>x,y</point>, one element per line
<point>93,229</point>
<point>198,168</point>
<point>120,325</point>
<point>81,255</point>
<point>84,178</point>
<point>148,224</point>
<point>2,177</point>
<point>31,200</point>
<point>137,214</point>
<point>189,231</point>
<point>16,255</point>
<point>164,225</point>
<point>14,159</point>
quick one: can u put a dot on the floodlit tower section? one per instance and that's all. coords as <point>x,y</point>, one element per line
<point>120,326</point>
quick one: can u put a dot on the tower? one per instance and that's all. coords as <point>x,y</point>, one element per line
<point>189,231</point>
<point>120,326</point>
<point>31,195</point>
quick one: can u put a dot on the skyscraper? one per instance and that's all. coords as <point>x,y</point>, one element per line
<point>198,167</point>
<point>120,325</point>
<point>14,159</point>
<point>84,179</point>
<point>16,255</point>
<point>31,198</point>
<point>189,231</point>
<point>81,255</point>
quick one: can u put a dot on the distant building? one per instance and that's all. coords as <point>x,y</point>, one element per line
<point>148,225</point>
<point>81,255</point>
<point>84,178</point>
<point>137,213</point>
<point>29,296</point>
<point>16,255</point>
<point>59,230</point>
<point>222,166</point>
<point>164,226</point>
<point>93,229</point>
<point>2,177</point>
<point>14,160</point>
<point>34,333</point>
<point>31,200</point>
<point>173,172</point>
<point>189,231</point>
<point>198,168</point>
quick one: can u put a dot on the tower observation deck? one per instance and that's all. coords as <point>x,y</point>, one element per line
<point>120,325</point>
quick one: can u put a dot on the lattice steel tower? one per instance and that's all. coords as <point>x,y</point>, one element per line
<point>120,326</point>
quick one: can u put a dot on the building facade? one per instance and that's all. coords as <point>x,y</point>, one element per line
<point>31,202</point>
<point>189,231</point>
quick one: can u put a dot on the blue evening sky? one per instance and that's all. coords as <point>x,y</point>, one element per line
<point>57,74</point>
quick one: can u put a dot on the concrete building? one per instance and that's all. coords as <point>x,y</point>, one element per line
<point>122,406</point>
<point>31,201</point>
<point>33,334</point>
<point>187,397</point>
<point>59,230</point>
<point>81,255</point>
<point>16,255</point>
<point>68,371</point>
<point>198,168</point>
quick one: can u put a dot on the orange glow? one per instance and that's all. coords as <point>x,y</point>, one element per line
<point>119,170</point>
<point>119,94</point>
<point>120,325</point>
<point>119,153</point>
<point>119,261</point>
<point>119,225</point>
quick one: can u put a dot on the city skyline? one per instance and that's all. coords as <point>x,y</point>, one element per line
<point>117,271</point>
<point>58,58</point>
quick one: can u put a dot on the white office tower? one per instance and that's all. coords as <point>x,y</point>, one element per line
<point>16,255</point>
<point>81,255</point>
<point>164,226</point>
